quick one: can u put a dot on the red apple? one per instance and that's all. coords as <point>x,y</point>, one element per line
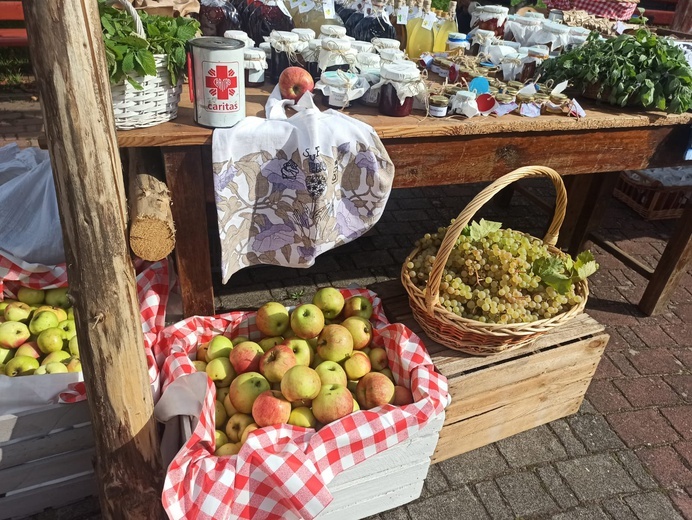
<point>374,389</point>
<point>294,82</point>
<point>332,403</point>
<point>270,408</point>
<point>276,362</point>
<point>402,396</point>
<point>245,357</point>
<point>335,343</point>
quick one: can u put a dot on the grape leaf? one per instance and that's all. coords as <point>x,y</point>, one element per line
<point>551,272</point>
<point>479,230</point>
<point>559,282</point>
<point>584,266</point>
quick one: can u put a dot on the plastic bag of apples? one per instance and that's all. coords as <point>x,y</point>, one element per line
<point>281,404</point>
<point>36,284</point>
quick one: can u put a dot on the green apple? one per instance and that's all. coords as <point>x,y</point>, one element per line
<point>388,372</point>
<point>221,393</point>
<point>202,351</point>
<point>17,311</point>
<point>219,346</point>
<point>358,306</point>
<point>51,368</point>
<point>220,439</point>
<point>228,449</point>
<point>220,371</point>
<point>236,425</point>
<point>357,365</point>
<point>31,296</point>
<point>59,356</point>
<point>360,329</point>
<point>74,365</point>
<point>268,343</point>
<point>244,390</point>
<point>331,373</point>
<point>335,343</point>
<point>69,329</point>
<point>4,304</point>
<point>272,319</point>
<point>356,406</point>
<point>13,334</point>
<point>332,403</point>
<point>58,297</point>
<point>42,321</point>
<point>302,416</point>
<point>330,301</point>
<point>73,347</point>
<point>239,339</point>
<point>230,409</point>
<point>59,313</point>
<point>300,382</point>
<point>378,359</point>
<point>200,366</point>
<point>307,321</point>
<point>220,415</point>
<point>301,348</point>
<point>50,340</point>
<point>21,366</point>
<point>6,354</point>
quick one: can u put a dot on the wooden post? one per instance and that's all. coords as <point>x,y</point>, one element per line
<point>68,57</point>
<point>682,21</point>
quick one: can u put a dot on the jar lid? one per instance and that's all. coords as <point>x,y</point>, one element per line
<point>579,31</point>
<point>439,101</point>
<point>335,31</point>
<point>254,54</point>
<point>528,20</point>
<point>540,96</point>
<point>483,32</point>
<point>511,91</point>
<point>335,44</point>
<point>214,42</point>
<point>525,98</point>
<point>534,14</point>
<point>237,35</point>
<point>391,54</point>
<point>558,97</point>
<point>554,27</point>
<point>515,84</point>
<point>304,33</point>
<point>385,43</point>
<point>493,90</point>
<point>314,44</point>
<point>284,36</point>
<point>465,95</point>
<point>494,9</point>
<point>335,78</point>
<point>538,51</point>
<point>456,37</point>
<point>399,72</point>
<point>368,60</point>
<point>362,46</point>
<point>504,98</point>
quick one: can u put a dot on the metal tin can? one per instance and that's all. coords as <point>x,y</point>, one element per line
<point>555,15</point>
<point>217,81</point>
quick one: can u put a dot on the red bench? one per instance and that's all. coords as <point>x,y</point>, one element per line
<point>11,10</point>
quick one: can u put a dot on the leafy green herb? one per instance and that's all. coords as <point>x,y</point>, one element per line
<point>479,230</point>
<point>560,274</point>
<point>128,55</point>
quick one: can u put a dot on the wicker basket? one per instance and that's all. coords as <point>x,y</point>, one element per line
<point>650,198</point>
<point>156,103</point>
<point>471,336</point>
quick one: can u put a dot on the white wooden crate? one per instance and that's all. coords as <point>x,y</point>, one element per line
<point>45,459</point>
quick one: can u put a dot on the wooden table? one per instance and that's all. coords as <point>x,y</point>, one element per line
<point>432,152</point>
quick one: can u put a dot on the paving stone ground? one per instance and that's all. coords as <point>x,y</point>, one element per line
<point>627,453</point>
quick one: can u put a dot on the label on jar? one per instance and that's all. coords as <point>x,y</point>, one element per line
<point>429,21</point>
<point>305,6</point>
<point>530,110</point>
<point>328,9</point>
<point>444,73</point>
<point>437,111</point>
<point>255,76</point>
<point>337,98</point>
<point>402,15</point>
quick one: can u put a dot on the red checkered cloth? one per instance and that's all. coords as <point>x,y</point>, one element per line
<point>603,8</point>
<point>152,293</point>
<point>282,472</point>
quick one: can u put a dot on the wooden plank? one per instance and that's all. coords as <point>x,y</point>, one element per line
<point>11,11</point>
<point>682,22</point>
<point>45,470</point>
<point>42,421</point>
<point>674,261</point>
<point>54,496</point>
<point>184,176</point>
<point>659,17</point>
<point>34,449</point>
<point>623,256</point>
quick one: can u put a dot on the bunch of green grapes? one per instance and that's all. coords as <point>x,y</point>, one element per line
<point>490,279</point>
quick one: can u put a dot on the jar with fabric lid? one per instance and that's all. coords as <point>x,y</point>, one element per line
<point>267,48</point>
<point>552,35</point>
<point>339,88</point>
<point>533,59</point>
<point>522,28</point>
<point>368,65</point>
<point>332,31</point>
<point>534,14</point>
<point>336,55</point>
<point>311,55</point>
<point>304,33</point>
<point>399,85</point>
<point>385,43</point>
<point>362,46</point>
<point>285,48</point>
<point>392,56</point>
<point>481,42</point>
<point>255,65</point>
<point>463,102</point>
<point>490,18</point>
<point>456,40</point>
<point>577,37</point>
<point>438,105</point>
<point>236,34</point>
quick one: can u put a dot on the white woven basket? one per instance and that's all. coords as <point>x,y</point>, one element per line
<point>158,100</point>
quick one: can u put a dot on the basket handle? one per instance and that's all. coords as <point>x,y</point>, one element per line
<point>432,293</point>
<point>133,13</point>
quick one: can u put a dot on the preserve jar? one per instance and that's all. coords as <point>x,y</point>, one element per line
<point>522,28</point>
<point>392,56</point>
<point>490,18</point>
<point>216,17</point>
<point>444,67</point>
<point>399,85</point>
<point>362,46</point>
<point>368,65</point>
<point>332,31</point>
<point>385,43</point>
<point>523,99</point>
<point>456,40</point>
<point>339,88</point>
<point>285,48</point>
<point>304,33</point>
<point>577,37</point>
<point>552,35</point>
<point>311,54</point>
<point>336,55</point>
<point>255,65</point>
<point>437,106</point>
<point>555,103</point>
<point>530,63</point>
<point>482,40</point>
<point>464,102</point>
<point>504,98</point>
<point>541,99</point>
<point>240,35</point>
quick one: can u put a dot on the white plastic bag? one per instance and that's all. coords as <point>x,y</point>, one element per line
<point>29,217</point>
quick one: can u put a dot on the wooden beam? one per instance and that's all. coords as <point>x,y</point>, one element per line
<point>72,78</point>
<point>683,17</point>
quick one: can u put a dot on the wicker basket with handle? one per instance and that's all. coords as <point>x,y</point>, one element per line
<point>158,100</point>
<point>471,336</point>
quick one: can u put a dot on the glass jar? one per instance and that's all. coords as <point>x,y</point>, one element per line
<point>461,100</point>
<point>217,16</point>
<point>285,48</point>
<point>555,103</point>
<point>362,46</point>
<point>311,56</point>
<point>339,86</point>
<point>510,91</point>
<point>456,40</point>
<point>444,67</point>
<point>336,55</point>
<point>255,65</point>
<point>267,48</point>
<point>504,98</point>
<point>437,106</point>
<point>540,99</point>
<point>240,35</point>
<point>402,83</point>
<point>521,29</point>
<point>332,31</point>
<point>523,99</point>
<point>304,33</point>
<point>533,59</point>
<point>385,43</point>
<point>451,90</point>
<point>552,35</point>
<point>391,55</point>
<point>490,18</point>
<point>368,65</point>
<point>577,37</point>
<point>482,41</point>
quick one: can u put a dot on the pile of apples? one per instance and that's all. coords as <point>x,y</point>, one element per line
<point>38,334</point>
<point>313,366</point>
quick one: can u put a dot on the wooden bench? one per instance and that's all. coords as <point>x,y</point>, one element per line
<point>11,11</point>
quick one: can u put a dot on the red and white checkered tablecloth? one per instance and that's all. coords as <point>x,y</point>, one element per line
<point>603,8</point>
<point>283,472</point>
<point>153,288</point>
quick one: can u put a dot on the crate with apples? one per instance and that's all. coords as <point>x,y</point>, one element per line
<point>331,383</point>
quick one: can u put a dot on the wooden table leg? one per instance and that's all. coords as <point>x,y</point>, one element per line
<point>185,179</point>
<point>672,265</point>
<point>587,199</point>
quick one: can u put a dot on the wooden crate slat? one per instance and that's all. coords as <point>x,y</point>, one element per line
<point>45,470</point>
<point>42,421</point>
<point>60,442</point>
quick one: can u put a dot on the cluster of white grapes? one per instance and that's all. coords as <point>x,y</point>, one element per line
<point>491,279</point>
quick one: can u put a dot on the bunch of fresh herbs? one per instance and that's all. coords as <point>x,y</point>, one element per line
<point>128,55</point>
<point>640,69</point>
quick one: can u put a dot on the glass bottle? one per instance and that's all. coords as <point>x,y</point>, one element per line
<point>414,20</point>
<point>314,17</point>
<point>374,25</point>
<point>217,16</point>
<point>422,38</point>
<point>354,19</point>
<point>266,16</point>
<point>448,27</point>
<point>399,28</point>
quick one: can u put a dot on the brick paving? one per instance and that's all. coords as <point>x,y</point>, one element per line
<point>625,455</point>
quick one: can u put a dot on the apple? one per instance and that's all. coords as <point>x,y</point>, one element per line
<point>200,366</point>
<point>68,328</point>
<point>50,340</point>
<point>58,356</point>
<point>57,297</point>
<point>220,371</point>
<point>374,389</point>
<point>357,365</point>
<point>236,424</point>
<point>335,343</point>
<point>245,357</point>
<point>43,320</point>
<point>7,353</point>
<point>402,396</point>
<point>21,366</point>
<point>13,334</point>
<point>272,319</point>
<point>239,339</point>
<point>74,365</point>
<point>247,431</point>
<point>244,390</point>
<point>70,313</point>
<point>230,409</point>
<point>332,403</point>
<point>301,402</point>
<point>302,416</point>
<point>17,311</point>
<point>289,334</point>
<point>30,348</point>
<point>222,392</point>
<point>300,382</point>
<point>331,373</point>
<point>358,306</point>
<point>51,368</point>
<point>294,82</point>
<point>360,329</point>
<point>31,296</point>
<point>220,415</point>
<point>228,449</point>
<point>268,343</point>
<point>388,372</point>
<point>366,350</point>
<point>202,351</point>
<point>378,359</point>
<point>307,321</point>
<point>301,348</point>
<point>59,313</point>
<point>330,301</point>
<point>220,439</point>
<point>4,304</point>
<point>219,346</point>
<point>73,347</point>
<point>271,408</point>
<point>356,406</point>
<point>276,362</point>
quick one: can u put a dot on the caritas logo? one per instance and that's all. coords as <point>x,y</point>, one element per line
<point>221,82</point>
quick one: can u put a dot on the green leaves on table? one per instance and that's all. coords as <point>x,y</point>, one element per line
<point>128,55</point>
<point>640,69</point>
<point>560,274</point>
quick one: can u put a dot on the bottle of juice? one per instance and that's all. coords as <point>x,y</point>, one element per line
<point>449,25</point>
<point>315,15</point>
<point>414,21</point>
<point>218,16</point>
<point>265,16</point>
<point>422,38</point>
<point>399,28</point>
<point>374,25</point>
<point>354,19</point>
